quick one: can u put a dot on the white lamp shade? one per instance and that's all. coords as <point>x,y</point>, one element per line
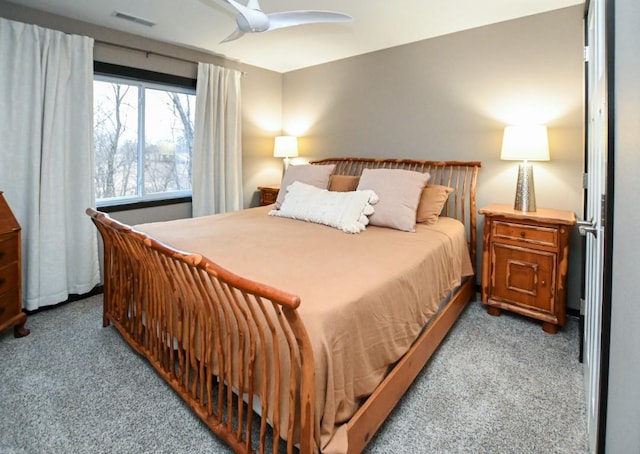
<point>529,142</point>
<point>285,147</point>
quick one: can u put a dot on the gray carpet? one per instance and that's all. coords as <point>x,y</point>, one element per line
<point>497,385</point>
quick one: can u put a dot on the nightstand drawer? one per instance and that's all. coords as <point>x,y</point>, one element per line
<point>268,198</point>
<point>9,278</point>
<point>268,194</point>
<point>8,249</point>
<point>544,236</point>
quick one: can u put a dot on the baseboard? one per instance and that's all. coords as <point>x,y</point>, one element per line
<point>72,297</point>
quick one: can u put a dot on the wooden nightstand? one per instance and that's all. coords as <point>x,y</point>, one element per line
<point>268,194</point>
<point>10,273</point>
<point>524,263</point>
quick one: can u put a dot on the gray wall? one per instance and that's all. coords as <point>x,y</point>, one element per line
<point>450,98</point>
<point>261,95</point>
<point>623,420</point>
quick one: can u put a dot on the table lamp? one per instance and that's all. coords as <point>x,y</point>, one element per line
<point>285,147</point>
<point>525,143</point>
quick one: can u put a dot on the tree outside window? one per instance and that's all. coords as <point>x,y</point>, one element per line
<point>143,140</point>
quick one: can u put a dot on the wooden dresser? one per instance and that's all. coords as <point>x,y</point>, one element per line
<point>268,194</point>
<point>524,263</point>
<point>10,273</point>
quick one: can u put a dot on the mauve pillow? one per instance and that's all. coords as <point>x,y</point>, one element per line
<point>399,192</point>
<point>315,175</point>
<point>343,183</point>
<point>432,200</point>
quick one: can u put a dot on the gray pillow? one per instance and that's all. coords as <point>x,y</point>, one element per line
<point>399,193</point>
<point>315,175</point>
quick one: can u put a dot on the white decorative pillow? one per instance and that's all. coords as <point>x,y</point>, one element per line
<point>315,175</point>
<point>346,211</point>
<point>399,192</point>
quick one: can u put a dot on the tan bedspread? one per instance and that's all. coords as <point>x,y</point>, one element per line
<point>365,297</point>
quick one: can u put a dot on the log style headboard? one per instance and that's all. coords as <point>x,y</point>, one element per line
<point>459,175</point>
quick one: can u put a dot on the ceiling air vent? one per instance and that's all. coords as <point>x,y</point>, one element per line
<point>131,18</point>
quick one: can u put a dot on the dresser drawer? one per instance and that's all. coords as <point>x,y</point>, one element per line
<point>9,278</point>
<point>9,305</point>
<point>8,249</point>
<point>544,236</point>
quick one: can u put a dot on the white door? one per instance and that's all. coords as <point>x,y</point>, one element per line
<point>594,227</point>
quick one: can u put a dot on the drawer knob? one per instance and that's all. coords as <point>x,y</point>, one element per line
<point>522,234</point>
<point>544,283</point>
<point>2,281</point>
<point>1,254</point>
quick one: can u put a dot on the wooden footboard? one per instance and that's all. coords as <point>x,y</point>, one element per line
<point>210,334</point>
<point>225,343</point>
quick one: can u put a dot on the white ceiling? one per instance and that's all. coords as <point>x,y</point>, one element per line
<point>377,24</point>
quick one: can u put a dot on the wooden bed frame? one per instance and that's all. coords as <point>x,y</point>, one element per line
<point>176,307</point>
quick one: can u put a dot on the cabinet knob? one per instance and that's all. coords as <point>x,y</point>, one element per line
<point>522,233</point>
<point>544,283</point>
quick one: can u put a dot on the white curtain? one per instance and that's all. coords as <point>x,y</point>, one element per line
<point>46,157</point>
<point>217,145</point>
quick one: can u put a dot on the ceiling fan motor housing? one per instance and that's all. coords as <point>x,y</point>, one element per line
<point>250,21</point>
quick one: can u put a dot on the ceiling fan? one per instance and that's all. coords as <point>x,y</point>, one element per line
<point>251,19</point>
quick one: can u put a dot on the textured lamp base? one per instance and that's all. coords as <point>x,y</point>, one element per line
<point>525,191</point>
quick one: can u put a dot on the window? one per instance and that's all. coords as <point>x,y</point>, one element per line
<point>143,140</point>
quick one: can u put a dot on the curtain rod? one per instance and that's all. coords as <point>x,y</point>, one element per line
<point>150,52</point>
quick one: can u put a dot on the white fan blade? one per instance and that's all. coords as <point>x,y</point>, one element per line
<point>293,18</point>
<point>248,19</point>
<point>237,33</point>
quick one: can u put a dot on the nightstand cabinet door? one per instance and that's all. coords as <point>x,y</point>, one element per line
<point>524,263</point>
<point>524,277</point>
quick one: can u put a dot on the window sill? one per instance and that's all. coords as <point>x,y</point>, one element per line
<point>121,205</point>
